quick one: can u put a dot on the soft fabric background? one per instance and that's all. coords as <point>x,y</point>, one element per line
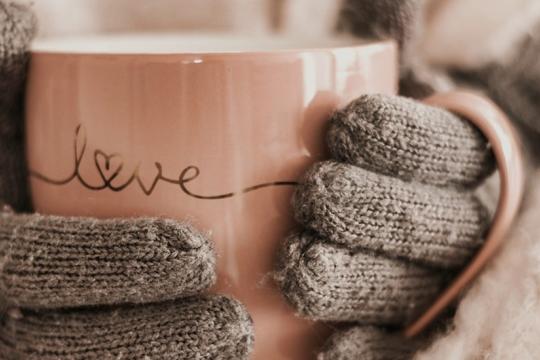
<point>499,318</point>
<point>83,16</point>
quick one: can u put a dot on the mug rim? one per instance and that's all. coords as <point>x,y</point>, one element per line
<point>66,45</point>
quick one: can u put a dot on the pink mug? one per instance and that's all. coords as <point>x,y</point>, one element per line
<point>215,129</point>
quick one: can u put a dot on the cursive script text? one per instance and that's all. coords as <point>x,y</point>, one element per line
<point>108,173</point>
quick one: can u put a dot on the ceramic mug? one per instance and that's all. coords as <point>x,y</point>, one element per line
<point>215,129</point>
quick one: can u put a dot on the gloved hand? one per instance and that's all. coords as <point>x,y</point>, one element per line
<point>392,217</point>
<point>63,280</point>
<point>388,221</point>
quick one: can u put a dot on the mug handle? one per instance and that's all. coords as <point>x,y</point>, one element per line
<point>500,133</point>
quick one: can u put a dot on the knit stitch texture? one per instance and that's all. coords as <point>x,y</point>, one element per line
<point>199,328</point>
<point>387,222</point>
<point>65,262</point>
<point>368,343</point>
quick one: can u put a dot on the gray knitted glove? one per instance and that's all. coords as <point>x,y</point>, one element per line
<point>63,280</point>
<point>387,222</point>
<point>392,217</point>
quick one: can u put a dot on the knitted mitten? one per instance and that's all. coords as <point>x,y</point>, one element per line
<point>63,280</point>
<point>387,221</point>
<point>391,217</point>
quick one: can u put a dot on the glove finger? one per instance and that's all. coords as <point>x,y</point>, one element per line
<point>194,328</point>
<point>330,283</point>
<point>368,343</point>
<point>404,138</point>
<point>361,209</point>
<point>50,261</point>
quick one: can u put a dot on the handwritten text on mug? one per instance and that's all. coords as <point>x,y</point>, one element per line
<point>103,163</point>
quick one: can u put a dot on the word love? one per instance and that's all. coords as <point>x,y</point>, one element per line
<point>110,166</point>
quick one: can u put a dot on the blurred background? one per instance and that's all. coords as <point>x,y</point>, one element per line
<point>451,32</point>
